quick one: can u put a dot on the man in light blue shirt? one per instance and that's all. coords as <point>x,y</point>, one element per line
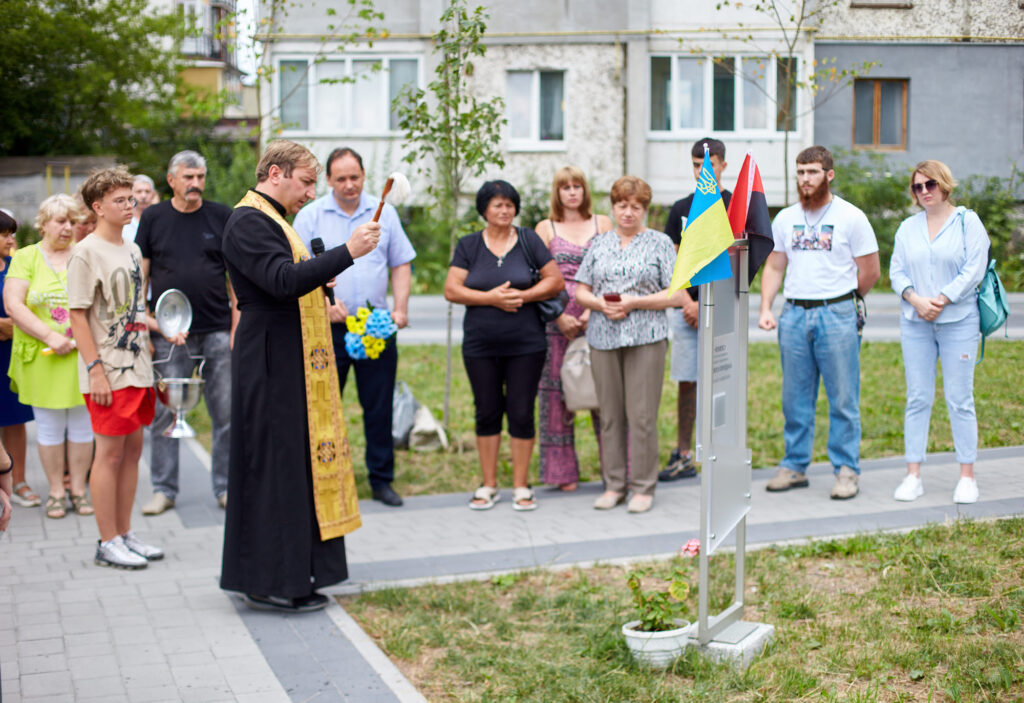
<point>333,218</point>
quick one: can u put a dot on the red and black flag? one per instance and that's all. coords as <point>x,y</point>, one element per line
<point>748,216</point>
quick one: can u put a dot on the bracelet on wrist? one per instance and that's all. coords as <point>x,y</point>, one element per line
<point>88,367</point>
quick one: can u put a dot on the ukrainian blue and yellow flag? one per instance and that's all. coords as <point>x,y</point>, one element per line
<point>704,246</point>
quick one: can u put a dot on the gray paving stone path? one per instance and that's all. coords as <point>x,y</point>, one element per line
<point>72,631</point>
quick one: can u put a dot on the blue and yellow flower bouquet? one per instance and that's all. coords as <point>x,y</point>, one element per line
<point>368,332</point>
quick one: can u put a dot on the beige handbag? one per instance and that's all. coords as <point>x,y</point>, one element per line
<point>578,386</point>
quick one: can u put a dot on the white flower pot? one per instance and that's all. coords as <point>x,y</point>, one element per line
<point>657,649</point>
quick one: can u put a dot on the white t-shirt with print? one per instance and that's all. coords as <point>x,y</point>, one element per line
<point>820,248</point>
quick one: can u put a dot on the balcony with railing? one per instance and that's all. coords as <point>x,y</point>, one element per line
<point>208,23</point>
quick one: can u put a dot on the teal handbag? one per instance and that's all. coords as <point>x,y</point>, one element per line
<point>993,306</point>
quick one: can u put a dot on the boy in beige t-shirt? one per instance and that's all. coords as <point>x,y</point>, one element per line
<point>108,318</point>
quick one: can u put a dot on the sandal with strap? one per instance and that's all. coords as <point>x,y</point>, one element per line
<point>524,499</point>
<point>24,496</point>
<point>81,504</point>
<point>55,508</point>
<point>489,495</point>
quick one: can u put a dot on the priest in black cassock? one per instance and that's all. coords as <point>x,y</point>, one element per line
<point>293,493</point>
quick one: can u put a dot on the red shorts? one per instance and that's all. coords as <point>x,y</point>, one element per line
<point>130,409</point>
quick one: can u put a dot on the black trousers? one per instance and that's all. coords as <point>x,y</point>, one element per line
<point>375,384</point>
<point>505,385</point>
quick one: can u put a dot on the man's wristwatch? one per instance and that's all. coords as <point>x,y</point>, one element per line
<point>88,367</point>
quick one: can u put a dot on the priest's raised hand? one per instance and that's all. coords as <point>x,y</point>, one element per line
<point>364,239</point>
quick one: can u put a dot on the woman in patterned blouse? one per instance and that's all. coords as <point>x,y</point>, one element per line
<point>624,281</point>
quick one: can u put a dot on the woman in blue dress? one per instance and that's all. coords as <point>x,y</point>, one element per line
<point>13,415</point>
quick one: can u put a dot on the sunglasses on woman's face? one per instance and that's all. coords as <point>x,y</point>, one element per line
<point>929,185</point>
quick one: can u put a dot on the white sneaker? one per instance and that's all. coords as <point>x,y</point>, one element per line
<point>912,488</point>
<point>966,491</point>
<point>147,551</point>
<point>114,553</point>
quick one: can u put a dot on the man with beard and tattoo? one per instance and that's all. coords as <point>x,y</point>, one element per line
<point>827,251</point>
<point>180,240</point>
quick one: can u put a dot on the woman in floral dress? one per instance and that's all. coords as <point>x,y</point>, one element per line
<point>567,232</point>
<point>44,361</point>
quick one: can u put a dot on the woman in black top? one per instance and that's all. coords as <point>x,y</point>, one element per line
<point>503,343</point>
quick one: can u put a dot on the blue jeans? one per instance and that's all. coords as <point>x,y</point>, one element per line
<point>956,344</point>
<point>214,346</point>
<point>815,343</point>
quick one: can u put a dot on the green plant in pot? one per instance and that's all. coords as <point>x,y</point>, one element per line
<point>661,633</point>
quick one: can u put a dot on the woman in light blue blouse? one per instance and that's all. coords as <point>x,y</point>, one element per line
<point>938,260</point>
<point>623,279</point>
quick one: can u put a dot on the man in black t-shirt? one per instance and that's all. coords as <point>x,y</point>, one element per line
<point>180,241</point>
<point>683,321</point>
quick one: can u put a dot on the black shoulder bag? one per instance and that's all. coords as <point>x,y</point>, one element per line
<point>552,308</point>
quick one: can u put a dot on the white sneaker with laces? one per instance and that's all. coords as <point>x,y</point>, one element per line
<point>910,489</point>
<point>147,551</point>
<point>114,553</point>
<point>966,491</point>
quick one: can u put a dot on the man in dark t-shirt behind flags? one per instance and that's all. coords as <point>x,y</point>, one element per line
<point>683,322</point>
<point>180,240</point>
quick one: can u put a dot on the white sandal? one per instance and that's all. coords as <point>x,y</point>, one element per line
<point>488,494</point>
<point>524,493</point>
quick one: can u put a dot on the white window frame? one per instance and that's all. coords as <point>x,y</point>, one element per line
<point>534,142</point>
<point>350,92</point>
<point>276,94</point>
<point>739,85</point>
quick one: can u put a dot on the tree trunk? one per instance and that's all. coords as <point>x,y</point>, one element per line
<point>454,219</point>
<point>785,162</point>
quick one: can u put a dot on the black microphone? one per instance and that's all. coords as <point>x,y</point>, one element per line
<point>317,245</point>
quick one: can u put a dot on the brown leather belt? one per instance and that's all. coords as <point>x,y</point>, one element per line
<point>819,303</point>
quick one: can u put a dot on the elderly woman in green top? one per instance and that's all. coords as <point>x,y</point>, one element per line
<point>44,362</point>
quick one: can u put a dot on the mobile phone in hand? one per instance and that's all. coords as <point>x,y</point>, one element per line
<point>613,297</point>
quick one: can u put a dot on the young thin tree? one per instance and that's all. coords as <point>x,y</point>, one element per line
<point>452,134</point>
<point>792,18</point>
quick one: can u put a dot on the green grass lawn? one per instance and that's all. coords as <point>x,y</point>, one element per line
<point>932,615</point>
<point>998,398</point>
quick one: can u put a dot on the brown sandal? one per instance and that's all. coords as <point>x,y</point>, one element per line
<point>55,508</point>
<point>81,504</point>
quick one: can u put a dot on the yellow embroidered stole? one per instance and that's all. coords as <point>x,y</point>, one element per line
<point>334,484</point>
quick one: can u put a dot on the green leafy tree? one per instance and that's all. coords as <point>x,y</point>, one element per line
<point>452,134</point>
<point>88,76</point>
<point>792,19</point>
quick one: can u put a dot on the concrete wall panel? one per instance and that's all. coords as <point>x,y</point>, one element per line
<point>965,103</point>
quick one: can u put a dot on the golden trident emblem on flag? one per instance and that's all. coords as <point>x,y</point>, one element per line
<point>706,183</point>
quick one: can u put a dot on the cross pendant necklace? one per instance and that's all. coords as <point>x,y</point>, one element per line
<point>508,247</point>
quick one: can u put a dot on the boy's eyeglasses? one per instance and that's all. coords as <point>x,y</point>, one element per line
<point>929,185</point>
